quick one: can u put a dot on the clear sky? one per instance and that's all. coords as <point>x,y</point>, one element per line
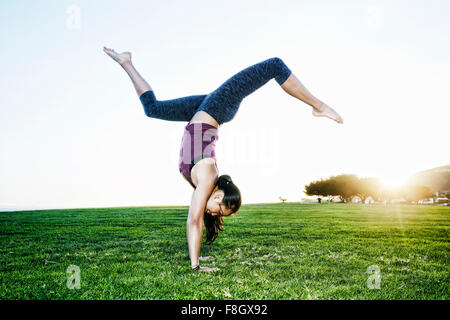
<point>73,132</point>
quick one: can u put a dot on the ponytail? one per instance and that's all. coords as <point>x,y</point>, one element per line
<point>231,199</point>
<point>232,195</point>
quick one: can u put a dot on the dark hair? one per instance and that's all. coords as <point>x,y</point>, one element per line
<point>231,199</point>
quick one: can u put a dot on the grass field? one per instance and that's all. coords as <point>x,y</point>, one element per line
<point>267,251</point>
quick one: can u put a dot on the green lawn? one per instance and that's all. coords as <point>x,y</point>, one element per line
<point>267,251</point>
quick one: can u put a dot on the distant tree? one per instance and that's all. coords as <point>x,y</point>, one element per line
<point>314,188</point>
<point>282,199</point>
<point>329,188</point>
<point>415,192</point>
<point>324,188</point>
<point>368,187</point>
<point>346,186</point>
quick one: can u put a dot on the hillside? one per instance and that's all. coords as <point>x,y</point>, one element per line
<point>437,179</point>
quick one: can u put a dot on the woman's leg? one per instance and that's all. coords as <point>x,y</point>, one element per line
<point>223,103</point>
<point>124,60</point>
<point>180,109</point>
<point>295,88</point>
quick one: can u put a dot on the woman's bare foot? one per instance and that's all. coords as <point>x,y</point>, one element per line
<point>324,110</point>
<point>120,58</point>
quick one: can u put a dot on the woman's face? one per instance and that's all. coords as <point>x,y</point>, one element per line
<point>215,207</point>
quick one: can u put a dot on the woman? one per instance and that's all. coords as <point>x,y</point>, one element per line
<point>214,196</point>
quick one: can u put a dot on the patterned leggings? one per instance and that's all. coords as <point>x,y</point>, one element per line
<point>223,103</point>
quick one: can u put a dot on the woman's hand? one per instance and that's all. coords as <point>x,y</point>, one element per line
<point>207,269</point>
<point>205,258</point>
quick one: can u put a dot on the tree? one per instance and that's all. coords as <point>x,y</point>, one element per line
<point>324,188</point>
<point>346,186</point>
<point>314,188</point>
<point>329,188</point>
<point>368,187</point>
<point>416,193</point>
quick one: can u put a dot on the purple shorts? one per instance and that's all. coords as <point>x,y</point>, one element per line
<point>199,142</point>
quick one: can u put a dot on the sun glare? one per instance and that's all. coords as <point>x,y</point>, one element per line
<point>393,182</point>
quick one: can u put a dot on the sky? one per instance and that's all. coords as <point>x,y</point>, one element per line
<point>73,133</point>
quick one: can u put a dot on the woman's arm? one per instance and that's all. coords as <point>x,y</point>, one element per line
<point>206,177</point>
<point>194,225</point>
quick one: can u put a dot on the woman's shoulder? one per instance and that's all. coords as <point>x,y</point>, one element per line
<point>207,162</point>
<point>204,171</point>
